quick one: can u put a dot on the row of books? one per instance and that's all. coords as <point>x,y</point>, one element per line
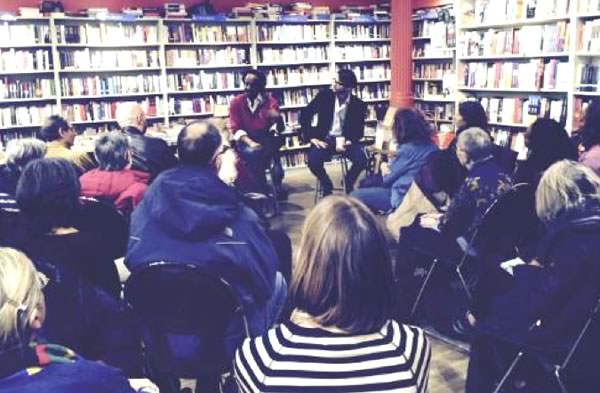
<point>196,33</point>
<point>588,6</point>
<point>428,50</point>
<point>293,54</point>
<point>441,33</point>
<point>362,52</point>
<point>26,115</point>
<point>588,75</point>
<point>24,33</point>
<point>85,59</point>
<point>204,80</point>
<point>431,90</point>
<point>508,138</point>
<point>207,56</point>
<point>293,32</point>
<point>435,112</point>
<point>35,88</point>
<point>580,106</point>
<point>291,118</point>
<point>526,40</point>
<point>588,36</point>
<point>298,75</point>
<point>535,74</point>
<point>198,105</point>
<point>376,91</point>
<point>372,72</point>
<point>348,32</point>
<point>433,70</point>
<point>105,85</point>
<point>106,111</point>
<point>295,97</point>
<point>524,111</point>
<point>23,60</point>
<point>106,33</point>
<point>294,160</point>
<point>491,11</point>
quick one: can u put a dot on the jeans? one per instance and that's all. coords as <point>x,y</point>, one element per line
<point>378,199</point>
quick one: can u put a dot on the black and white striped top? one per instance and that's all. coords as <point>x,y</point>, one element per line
<point>291,358</point>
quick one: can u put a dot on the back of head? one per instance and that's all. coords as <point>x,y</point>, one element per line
<point>343,276</point>
<point>475,143</point>
<point>548,143</point>
<point>347,78</point>
<point>20,295</point>
<point>128,113</point>
<point>112,151</point>
<point>51,130</point>
<point>566,189</point>
<point>19,152</point>
<point>590,132</point>
<point>411,126</point>
<point>48,193</point>
<point>198,142</point>
<point>473,115</point>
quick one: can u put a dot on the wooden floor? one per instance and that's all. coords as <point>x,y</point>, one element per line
<point>449,364</point>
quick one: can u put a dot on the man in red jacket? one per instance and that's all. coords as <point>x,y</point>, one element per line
<point>253,115</point>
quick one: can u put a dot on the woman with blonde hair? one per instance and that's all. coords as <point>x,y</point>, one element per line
<point>559,287</point>
<point>26,364</point>
<point>342,332</point>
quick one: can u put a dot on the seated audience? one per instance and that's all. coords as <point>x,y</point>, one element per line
<point>342,331</point>
<point>114,181</point>
<point>560,287</point>
<point>189,215</point>
<point>18,153</point>
<point>151,155</point>
<point>48,196</point>
<point>547,142</point>
<point>590,137</point>
<point>413,136</point>
<point>27,364</point>
<point>60,137</point>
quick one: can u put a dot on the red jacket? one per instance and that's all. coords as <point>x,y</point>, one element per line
<point>242,119</point>
<point>124,188</point>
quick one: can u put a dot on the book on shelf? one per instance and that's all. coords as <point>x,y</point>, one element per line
<point>588,36</point>
<point>207,33</point>
<point>580,106</point>
<point>295,97</point>
<point>375,91</point>
<point>512,140</point>
<point>588,6</point>
<point>521,112</point>
<point>207,56</point>
<point>106,111</point>
<point>433,70</point>
<point>292,32</point>
<point>302,75</point>
<point>498,11</point>
<point>22,89</point>
<point>349,32</point>
<point>24,34</point>
<point>198,105</point>
<point>525,40</point>
<point>436,112</point>
<point>293,53</point>
<point>25,60</point>
<point>26,115</point>
<point>107,33</point>
<point>372,71</point>
<point>295,159</point>
<point>587,75</point>
<point>204,80</point>
<point>291,118</point>
<point>87,58</point>
<point>110,85</point>
<point>534,75</point>
<point>362,52</point>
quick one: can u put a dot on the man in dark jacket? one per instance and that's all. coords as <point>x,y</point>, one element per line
<point>189,215</point>
<point>339,127</point>
<point>151,155</point>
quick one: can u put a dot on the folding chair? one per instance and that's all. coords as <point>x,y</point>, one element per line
<point>344,166</point>
<point>504,226</point>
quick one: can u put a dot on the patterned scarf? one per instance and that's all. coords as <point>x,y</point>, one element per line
<point>31,359</point>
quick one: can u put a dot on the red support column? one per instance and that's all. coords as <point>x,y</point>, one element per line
<point>401,54</point>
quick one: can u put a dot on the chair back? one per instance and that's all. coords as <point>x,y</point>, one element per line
<point>12,225</point>
<point>184,313</point>
<point>101,216</point>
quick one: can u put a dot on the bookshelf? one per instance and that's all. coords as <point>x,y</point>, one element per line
<point>434,64</point>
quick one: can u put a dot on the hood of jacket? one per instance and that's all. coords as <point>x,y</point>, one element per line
<point>191,203</point>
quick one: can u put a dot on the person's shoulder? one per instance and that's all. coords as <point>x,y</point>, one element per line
<point>237,100</point>
<point>357,101</point>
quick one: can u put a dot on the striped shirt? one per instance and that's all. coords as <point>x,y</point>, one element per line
<point>290,358</point>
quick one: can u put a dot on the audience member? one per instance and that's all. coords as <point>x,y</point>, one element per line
<point>189,215</point>
<point>590,137</point>
<point>26,364</point>
<point>342,331</point>
<point>17,154</point>
<point>413,136</point>
<point>547,142</point>
<point>114,180</point>
<point>151,155</point>
<point>560,286</point>
<point>339,127</point>
<point>60,137</point>
<point>48,196</point>
<point>252,115</point>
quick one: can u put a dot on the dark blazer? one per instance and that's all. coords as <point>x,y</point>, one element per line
<point>151,155</point>
<point>323,105</point>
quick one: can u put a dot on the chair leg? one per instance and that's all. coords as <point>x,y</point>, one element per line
<point>508,372</point>
<point>317,191</point>
<point>559,381</point>
<point>422,289</point>
<point>344,165</point>
<point>463,282</point>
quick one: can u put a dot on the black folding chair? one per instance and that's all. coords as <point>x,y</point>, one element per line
<point>184,313</point>
<point>554,365</point>
<point>100,216</point>
<point>505,225</point>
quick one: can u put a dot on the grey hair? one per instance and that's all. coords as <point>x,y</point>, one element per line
<point>566,187</point>
<point>475,143</point>
<point>112,151</point>
<point>19,152</point>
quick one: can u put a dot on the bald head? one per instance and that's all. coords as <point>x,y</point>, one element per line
<point>131,114</point>
<point>198,142</point>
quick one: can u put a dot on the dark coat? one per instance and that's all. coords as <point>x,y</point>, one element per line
<point>151,155</point>
<point>323,105</point>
